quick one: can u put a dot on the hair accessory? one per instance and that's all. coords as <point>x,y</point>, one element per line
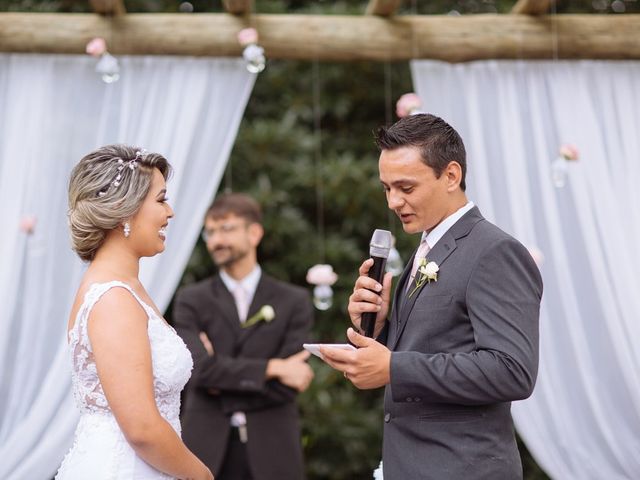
<point>132,164</point>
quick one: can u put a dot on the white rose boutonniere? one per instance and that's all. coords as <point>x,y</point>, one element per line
<point>427,271</point>
<point>266,314</point>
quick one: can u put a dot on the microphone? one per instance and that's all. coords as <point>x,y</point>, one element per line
<point>379,247</point>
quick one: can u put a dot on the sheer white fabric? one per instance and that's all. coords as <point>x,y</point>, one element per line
<point>100,449</point>
<point>583,420</point>
<point>53,110</point>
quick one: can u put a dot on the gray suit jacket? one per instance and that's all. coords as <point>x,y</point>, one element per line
<point>463,347</point>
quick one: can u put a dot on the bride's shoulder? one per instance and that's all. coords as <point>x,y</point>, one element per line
<point>101,297</point>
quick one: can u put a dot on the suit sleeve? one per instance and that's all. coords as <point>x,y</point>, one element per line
<point>218,372</point>
<point>503,302</point>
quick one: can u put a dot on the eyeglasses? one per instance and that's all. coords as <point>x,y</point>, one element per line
<point>224,229</point>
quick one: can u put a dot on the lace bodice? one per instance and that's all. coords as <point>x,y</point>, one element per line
<point>171,360</point>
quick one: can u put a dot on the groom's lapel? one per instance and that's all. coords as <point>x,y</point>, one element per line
<point>261,298</point>
<point>399,298</point>
<point>438,254</point>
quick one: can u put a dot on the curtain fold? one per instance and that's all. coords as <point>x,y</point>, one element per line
<point>53,110</point>
<point>582,422</point>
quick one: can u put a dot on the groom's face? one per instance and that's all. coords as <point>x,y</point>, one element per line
<point>229,239</point>
<point>414,193</point>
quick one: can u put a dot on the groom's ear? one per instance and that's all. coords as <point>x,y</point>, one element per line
<point>453,174</point>
<point>256,232</point>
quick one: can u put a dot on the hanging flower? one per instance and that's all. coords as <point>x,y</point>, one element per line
<point>252,53</point>
<point>321,275</point>
<point>248,36</point>
<point>569,152</point>
<point>266,314</point>
<point>537,255</point>
<point>28,224</point>
<point>408,104</point>
<point>96,47</point>
<point>428,271</point>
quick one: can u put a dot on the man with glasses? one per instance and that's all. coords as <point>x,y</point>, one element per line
<point>245,331</point>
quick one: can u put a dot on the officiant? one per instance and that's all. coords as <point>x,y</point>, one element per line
<point>245,330</point>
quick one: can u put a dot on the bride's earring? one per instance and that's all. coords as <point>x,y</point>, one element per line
<point>127,229</point>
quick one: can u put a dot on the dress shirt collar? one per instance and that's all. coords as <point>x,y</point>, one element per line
<point>438,232</point>
<point>249,283</point>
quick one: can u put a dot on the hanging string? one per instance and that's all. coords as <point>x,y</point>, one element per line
<point>317,131</point>
<point>387,93</point>
<point>228,177</point>
<point>414,42</point>
<point>388,115</point>
<point>554,30</point>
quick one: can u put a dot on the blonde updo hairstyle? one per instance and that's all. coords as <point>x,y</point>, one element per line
<point>97,203</point>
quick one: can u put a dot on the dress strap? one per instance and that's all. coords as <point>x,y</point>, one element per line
<point>91,297</point>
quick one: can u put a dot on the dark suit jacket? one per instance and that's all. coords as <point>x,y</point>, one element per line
<point>463,347</point>
<point>237,372</point>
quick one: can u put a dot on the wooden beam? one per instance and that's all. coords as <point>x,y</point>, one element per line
<point>532,7</point>
<point>108,7</point>
<point>238,7</point>
<point>382,8</point>
<point>332,37</point>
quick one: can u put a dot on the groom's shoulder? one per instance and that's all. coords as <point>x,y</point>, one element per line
<point>283,287</point>
<point>486,233</point>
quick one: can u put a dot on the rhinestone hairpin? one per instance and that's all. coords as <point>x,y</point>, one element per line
<point>132,164</point>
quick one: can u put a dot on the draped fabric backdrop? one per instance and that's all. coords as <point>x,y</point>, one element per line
<point>583,420</point>
<point>53,110</point>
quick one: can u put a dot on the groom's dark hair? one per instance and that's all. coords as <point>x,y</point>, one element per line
<point>439,143</point>
<point>239,204</point>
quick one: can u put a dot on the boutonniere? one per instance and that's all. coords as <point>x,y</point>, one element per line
<point>266,314</point>
<point>427,271</point>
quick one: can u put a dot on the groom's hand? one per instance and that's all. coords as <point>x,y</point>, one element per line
<point>367,367</point>
<point>369,296</point>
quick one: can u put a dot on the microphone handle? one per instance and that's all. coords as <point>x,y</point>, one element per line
<point>368,319</point>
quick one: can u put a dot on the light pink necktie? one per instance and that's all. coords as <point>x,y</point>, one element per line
<point>242,301</point>
<point>422,252</point>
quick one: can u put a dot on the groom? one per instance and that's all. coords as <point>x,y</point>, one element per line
<point>461,341</point>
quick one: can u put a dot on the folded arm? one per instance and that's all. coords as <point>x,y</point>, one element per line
<point>272,380</point>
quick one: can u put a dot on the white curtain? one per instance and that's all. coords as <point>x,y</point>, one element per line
<point>583,420</point>
<point>53,110</point>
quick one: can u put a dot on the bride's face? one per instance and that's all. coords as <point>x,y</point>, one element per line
<point>148,225</point>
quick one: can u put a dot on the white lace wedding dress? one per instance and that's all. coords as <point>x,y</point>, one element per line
<point>99,450</point>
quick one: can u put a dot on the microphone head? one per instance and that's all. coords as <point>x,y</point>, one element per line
<point>381,242</point>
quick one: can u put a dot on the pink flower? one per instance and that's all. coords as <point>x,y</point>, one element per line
<point>537,255</point>
<point>321,275</point>
<point>28,224</point>
<point>96,47</point>
<point>569,152</point>
<point>248,36</point>
<point>407,104</point>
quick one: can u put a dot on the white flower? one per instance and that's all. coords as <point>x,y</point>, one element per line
<point>266,314</point>
<point>430,270</point>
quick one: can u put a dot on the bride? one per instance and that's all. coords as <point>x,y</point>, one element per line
<point>128,365</point>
